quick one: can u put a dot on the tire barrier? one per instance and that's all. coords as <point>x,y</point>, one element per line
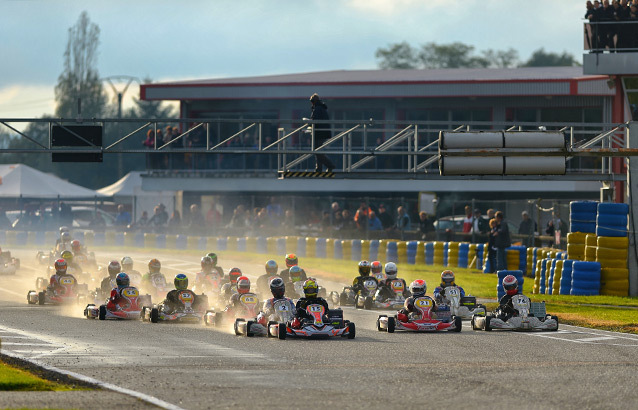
<point>160,241</point>
<point>321,248</point>
<point>501,274</point>
<point>374,250</point>
<point>330,248</point>
<point>420,253</point>
<point>301,247</point>
<point>576,245</point>
<point>590,253</point>
<point>464,252</point>
<point>582,216</point>
<point>585,278</point>
<point>338,250</point>
<point>614,281</point>
<point>612,219</point>
<point>429,253</point>
<point>558,274</point>
<point>241,245</point>
<point>536,289</point>
<point>530,263</point>
<point>281,246</point>
<point>231,243</point>
<point>356,253</point>
<point>383,248</point>
<point>181,242</point>
<point>543,276</point>
<point>566,277</point>
<point>150,240</point>
<point>261,245</point>
<point>99,239</point>
<point>439,253</point>
<point>452,259</point>
<point>402,252</point>
<point>391,253</point>
<point>222,244</point>
<point>365,250</point>
<point>480,252</point>
<point>202,243</point>
<point>550,277</point>
<point>346,249</point>
<point>412,249</point>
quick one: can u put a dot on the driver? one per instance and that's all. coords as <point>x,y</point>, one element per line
<point>505,307</point>
<point>113,269</point>
<point>60,270</point>
<point>263,280</point>
<point>385,290</point>
<point>418,289</point>
<point>230,288</point>
<point>243,288</point>
<point>297,275</point>
<point>172,301</point>
<point>208,269</point>
<point>154,266</point>
<point>76,248</point>
<point>310,290</point>
<point>71,266</point>
<point>277,288</point>
<point>377,271</point>
<point>59,240</point>
<point>127,266</point>
<point>65,242</point>
<point>116,301</point>
<point>219,269</point>
<point>291,260</point>
<point>447,279</point>
<point>364,275</point>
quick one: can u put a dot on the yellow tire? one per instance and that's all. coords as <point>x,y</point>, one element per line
<point>590,239</point>
<point>607,274</point>
<point>610,253</point>
<point>612,263</point>
<point>615,285</point>
<point>576,238</point>
<point>614,243</point>
<point>607,292</point>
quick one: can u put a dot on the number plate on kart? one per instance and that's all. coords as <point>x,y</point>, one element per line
<point>422,303</point>
<point>370,284</point>
<point>452,292</point>
<point>67,281</point>
<point>315,308</point>
<point>186,296</point>
<point>282,307</point>
<point>130,293</point>
<point>248,300</point>
<point>397,286</point>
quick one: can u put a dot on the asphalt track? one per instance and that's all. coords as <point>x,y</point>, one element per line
<point>194,367</point>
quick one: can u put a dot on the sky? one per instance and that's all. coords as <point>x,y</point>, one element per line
<point>168,40</point>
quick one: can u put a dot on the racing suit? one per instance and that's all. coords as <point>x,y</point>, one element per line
<point>439,292</point>
<point>357,284</point>
<point>268,311</point>
<point>506,308</point>
<point>235,301</point>
<point>228,290</point>
<point>303,303</point>
<point>200,279</point>
<point>54,282</point>
<point>116,300</point>
<point>385,290</point>
<point>408,307</point>
<point>285,275</point>
<point>263,280</point>
<point>172,302</point>
<point>107,285</point>
<point>135,276</point>
<point>147,279</point>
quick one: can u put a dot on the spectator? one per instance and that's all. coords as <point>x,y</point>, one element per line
<point>238,220</point>
<point>97,223</point>
<point>275,212</point>
<point>322,132</point>
<point>149,142</point>
<point>337,221</point>
<point>527,227</point>
<point>325,222</point>
<point>501,241</point>
<point>426,226</point>
<point>123,218</point>
<point>213,217</point>
<point>550,230</point>
<point>289,220</point>
<point>403,221</point>
<point>491,247</point>
<point>143,221</point>
<point>5,223</point>
<point>375,223</point>
<point>66,214</point>
<point>386,220</point>
<point>175,223</point>
<point>348,223</point>
<point>479,224</point>
<point>467,221</point>
<point>163,215</point>
<point>334,208</point>
<point>157,221</point>
<point>196,221</point>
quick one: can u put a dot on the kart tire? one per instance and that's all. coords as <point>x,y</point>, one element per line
<point>343,299</point>
<point>458,324</point>
<point>271,323</point>
<point>248,325</point>
<point>488,319</point>
<point>281,331</point>
<point>356,302</point>
<point>472,323</point>
<point>379,324</point>
<point>102,312</point>
<point>352,331</point>
<point>236,328</point>
<point>219,318</point>
<point>154,315</point>
<point>367,303</point>
<point>29,299</point>
<point>391,324</point>
<point>556,319</point>
<point>41,298</point>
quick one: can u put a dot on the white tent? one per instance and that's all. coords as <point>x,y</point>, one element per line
<point>22,181</point>
<point>128,190</point>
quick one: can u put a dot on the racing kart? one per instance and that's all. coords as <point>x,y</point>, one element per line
<point>157,286</point>
<point>362,300</point>
<point>423,320</point>
<point>248,307</point>
<point>283,314</point>
<point>453,304</point>
<point>529,316</point>
<point>185,313</point>
<point>210,286</point>
<point>68,291</point>
<point>8,264</point>
<point>395,302</point>
<point>321,325</point>
<point>129,311</point>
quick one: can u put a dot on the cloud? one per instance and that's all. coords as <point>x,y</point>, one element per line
<point>387,7</point>
<point>26,101</point>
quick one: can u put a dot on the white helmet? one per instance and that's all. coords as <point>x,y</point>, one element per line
<point>391,270</point>
<point>127,261</point>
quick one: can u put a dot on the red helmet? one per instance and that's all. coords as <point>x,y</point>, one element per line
<point>418,287</point>
<point>234,275</point>
<point>114,268</point>
<point>376,267</point>
<point>510,284</point>
<point>291,260</point>
<point>60,266</point>
<point>154,266</point>
<point>75,245</point>
<point>243,284</point>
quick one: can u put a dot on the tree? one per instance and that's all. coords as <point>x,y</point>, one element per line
<point>80,77</point>
<point>542,58</point>
<point>397,56</point>
<point>151,109</point>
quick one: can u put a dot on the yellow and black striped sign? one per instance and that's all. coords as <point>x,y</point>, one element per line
<point>306,174</point>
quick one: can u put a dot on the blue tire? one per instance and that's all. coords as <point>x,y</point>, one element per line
<point>616,232</point>
<point>613,208</point>
<point>583,206</point>
<point>611,220</point>
<point>586,285</point>
<point>583,292</point>
<point>585,266</point>
<point>583,227</point>
<point>582,217</point>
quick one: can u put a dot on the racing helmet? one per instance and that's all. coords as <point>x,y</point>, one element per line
<point>418,287</point>
<point>243,285</point>
<point>234,275</point>
<point>65,236</point>
<point>207,263</point>
<point>60,266</point>
<point>181,281</point>
<point>67,256</point>
<point>364,268</point>
<point>114,268</point>
<point>510,284</point>
<point>271,267</point>
<point>122,280</point>
<point>64,229</point>
<point>213,256</point>
<point>447,278</point>
<point>391,270</point>
<point>277,287</point>
<point>127,263</point>
<point>376,267</point>
<point>76,246</point>
<point>291,260</point>
<point>295,274</point>
<point>310,288</point>
<point>154,266</point>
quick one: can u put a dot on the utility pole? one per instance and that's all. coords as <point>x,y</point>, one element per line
<point>119,95</point>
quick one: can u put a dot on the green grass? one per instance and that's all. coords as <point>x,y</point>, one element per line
<point>14,379</point>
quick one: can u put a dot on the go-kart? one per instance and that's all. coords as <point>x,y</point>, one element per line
<point>361,300</point>
<point>157,286</point>
<point>132,309</point>
<point>86,262</point>
<point>453,304</point>
<point>68,291</point>
<point>8,264</point>
<point>282,314</point>
<point>248,307</point>
<point>396,301</point>
<point>211,287</point>
<point>321,325</point>
<point>529,316</point>
<point>185,313</point>
<point>423,320</point>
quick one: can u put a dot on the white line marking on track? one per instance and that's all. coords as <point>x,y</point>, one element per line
<point>593,339</point>
<point>12,292</point>
<point>25,344</point>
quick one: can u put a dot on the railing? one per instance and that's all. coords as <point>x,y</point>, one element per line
<point>612,36</point>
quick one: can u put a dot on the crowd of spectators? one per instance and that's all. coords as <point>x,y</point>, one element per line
<point>623,34</point>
